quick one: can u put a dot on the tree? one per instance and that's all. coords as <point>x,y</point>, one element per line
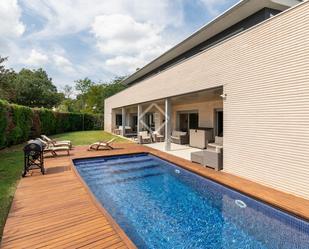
<point>35,89</point>
<point>97,94</point>
<point>83,85</point>
<point>68,91</point>
<point>92,95</point>
<point>7,77</point>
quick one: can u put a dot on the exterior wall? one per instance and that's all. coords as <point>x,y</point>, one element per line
<point>265,74</point>
<point>205,111</point>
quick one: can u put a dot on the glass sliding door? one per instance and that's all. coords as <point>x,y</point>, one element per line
<point>219,122</point>
<point>187,120</point>
<point>193,120</point>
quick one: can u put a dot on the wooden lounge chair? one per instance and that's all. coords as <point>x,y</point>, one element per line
<point>102,145</point>
<point>57,143</point>
<point>49,148</point>
<point>53,150</point>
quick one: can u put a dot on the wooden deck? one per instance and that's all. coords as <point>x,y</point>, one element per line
<point>57,211</point>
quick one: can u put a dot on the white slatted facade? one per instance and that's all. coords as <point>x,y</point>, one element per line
<point>265,74</point>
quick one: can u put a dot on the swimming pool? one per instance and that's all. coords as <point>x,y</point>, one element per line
<point>161,205</point>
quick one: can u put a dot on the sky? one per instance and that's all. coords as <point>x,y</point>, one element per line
<point>98,39</point>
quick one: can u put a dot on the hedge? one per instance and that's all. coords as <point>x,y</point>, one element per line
<point>20,123</point>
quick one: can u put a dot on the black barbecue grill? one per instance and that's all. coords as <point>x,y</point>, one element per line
<point>33,156</point>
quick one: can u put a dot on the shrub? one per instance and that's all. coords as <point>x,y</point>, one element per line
<point>3,123</point>
<point>48,121</point>
<point>20,123</point>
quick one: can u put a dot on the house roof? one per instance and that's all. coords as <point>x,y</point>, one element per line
<point>233,15</point>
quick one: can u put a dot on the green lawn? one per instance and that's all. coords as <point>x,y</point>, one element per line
<point>87,137</point>
<point>10,171</point>
<point>12,164</point>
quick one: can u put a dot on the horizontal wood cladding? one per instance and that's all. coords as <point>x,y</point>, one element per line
<point>265,74</point>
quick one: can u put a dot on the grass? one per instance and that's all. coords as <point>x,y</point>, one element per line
<point>10,172</point>
<point>12,164</point>
<point>88,137</point>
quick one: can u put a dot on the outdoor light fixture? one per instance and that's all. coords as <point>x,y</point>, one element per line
<point>223,96</point>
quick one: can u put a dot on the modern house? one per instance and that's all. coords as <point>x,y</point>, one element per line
<point>245,75</point>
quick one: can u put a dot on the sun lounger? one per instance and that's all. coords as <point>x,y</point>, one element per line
<point>102,145</point>
<point>49,148</point>
<point>54,150</point>
<point>57,143</point>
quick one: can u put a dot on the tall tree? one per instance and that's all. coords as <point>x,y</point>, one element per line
<point>97,94</point>
<point>35,89</point>
<point>92,95</point>
<point>83,85</point>
<point>67,91</point>
<point>7,77</point>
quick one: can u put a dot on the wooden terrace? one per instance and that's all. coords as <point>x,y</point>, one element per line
<point>58,211</point>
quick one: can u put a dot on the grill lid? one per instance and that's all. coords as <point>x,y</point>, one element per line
<point>34,145</point>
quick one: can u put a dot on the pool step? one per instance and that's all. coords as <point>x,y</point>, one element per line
<point>124,174</point>
<point>101,162</point>
<point>115,166</point>
<point>122,170</point>
<point>127,179</point>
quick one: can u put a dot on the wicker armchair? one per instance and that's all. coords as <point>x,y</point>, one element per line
<point>180,137</point>
<point>144,137</point>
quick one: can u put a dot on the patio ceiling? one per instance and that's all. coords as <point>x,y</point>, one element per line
<point>196,97</point>
<point>201,96</point>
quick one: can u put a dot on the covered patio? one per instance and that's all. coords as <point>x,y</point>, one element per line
<point>172,117</point>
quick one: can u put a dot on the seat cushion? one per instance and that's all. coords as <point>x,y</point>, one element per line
<point>219,141</point>
<point>179,133</point>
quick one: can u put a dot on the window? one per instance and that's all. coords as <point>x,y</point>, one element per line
<point>118,119</point>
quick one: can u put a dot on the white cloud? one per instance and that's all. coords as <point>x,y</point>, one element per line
<point>71,16</point>
<point>121,34</point>
<point>63,63</point>
<point>10,24</point>
<point>132,34</point>
<point>123,64</point>
<point>35,58</point>
<point>128,43</point>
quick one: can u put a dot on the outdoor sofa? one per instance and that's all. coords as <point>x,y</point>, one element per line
<point>180,137</point>
<point>211,157</point>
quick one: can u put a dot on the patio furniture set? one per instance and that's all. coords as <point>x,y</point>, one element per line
<point>211,155</point>
<point>177,137</point>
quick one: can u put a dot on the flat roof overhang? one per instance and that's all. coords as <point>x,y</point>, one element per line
<point>233,15</point>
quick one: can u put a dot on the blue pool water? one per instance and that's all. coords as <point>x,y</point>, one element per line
<point>160,205</point>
